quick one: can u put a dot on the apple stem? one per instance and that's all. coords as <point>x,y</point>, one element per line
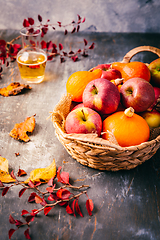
<point>119,81</point>
<point>129,112</point>
<point>84,118</point>
<point>94,91</point>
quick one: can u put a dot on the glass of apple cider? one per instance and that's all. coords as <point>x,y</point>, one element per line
<point>31,59</point>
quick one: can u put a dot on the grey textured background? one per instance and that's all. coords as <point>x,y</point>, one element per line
<point>101,15</point>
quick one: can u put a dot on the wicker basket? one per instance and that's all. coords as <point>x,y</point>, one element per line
<point>98,153</point>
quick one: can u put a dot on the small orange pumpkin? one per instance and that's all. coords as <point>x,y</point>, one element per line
<point>128,128</point>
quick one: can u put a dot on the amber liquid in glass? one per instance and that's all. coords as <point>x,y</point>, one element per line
<point>32,65</point>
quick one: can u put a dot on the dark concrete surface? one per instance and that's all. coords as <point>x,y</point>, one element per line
<point>101,15</point>
<point>127,203</point>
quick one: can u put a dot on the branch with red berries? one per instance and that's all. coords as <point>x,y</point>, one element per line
<point>9,50</point>
<point>61,196</point>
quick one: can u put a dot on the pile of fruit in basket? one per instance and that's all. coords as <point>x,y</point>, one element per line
<point>115,100</point>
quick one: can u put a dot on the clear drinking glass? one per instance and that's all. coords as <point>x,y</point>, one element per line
<point>31,59</point>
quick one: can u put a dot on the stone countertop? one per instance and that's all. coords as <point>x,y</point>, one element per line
<point>126,203</point>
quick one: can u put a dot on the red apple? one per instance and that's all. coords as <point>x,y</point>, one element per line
<point>83,120</point>
<point>137,93</point>
<point>101,95</point>
<point>154,68</point>
<point>152,118</point>
<point>107,72</point>
<point>78,106</point>
<point>157,95</point>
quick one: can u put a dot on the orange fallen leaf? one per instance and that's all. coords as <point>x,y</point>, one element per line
<point>5,177</point>
<point>19,132</point>
<point>42,174</point>
<point>13,89</point>
<point>3,164</point>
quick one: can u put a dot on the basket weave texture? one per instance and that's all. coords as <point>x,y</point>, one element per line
<point>95,152</point>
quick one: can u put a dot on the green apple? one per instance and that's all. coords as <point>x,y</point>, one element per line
<point>154,68</point>
<point>152,118</point>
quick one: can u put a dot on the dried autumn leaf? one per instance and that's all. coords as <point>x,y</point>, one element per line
<point>3,164</point>
<point>13,89</point>
<point>5,177</point>
<point>42,174</point>
<point>19,132</point>
<point>21,172</point>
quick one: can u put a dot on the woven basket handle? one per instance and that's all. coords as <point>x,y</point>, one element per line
<point>136,50</point>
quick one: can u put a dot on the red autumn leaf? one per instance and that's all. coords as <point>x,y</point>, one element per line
<point>17,154</point>
<point>65,177</point>
<point>5,190</point>
<point>21,172</point>
<point>73,30</point>
<point>60,24</point>
<point>39,18</point>
<point>19,223</point>
<point>10,233</point>
<point>22,191</point>
<point>11,219</point>
<point>1,184</point>
<point>32,197</point>
<point>50,189</point>
<point>78,210</point>
<point>29,218</point>
<point>69,210</point>
<point>63,194</point>
<point>83,20</point>
<point>58,174</point>
<point>24,212</point>
<point>38,199</point>
<point>71,52</point>
<point>50,182</point>
<point>50,57</point>
<point>49,45</point>
<point>31,21</point>
<point>74,58</point>
<point>62,59</point>
<point>89,206</point>
<point>43,203</point>
<point>33,212</point>
<point>26,234</point>
<point>73,207</point>
<point>12,175</point>
<point>62,177</point>
<point>78,27</point>
<point>44,30</point>
<point>84,54</point>
<point>25,23</point>
<point>47,210</point>
<point>91,46</point>
<point>38,183</point>
<point>65,32</point>
<point>31,184</point>
<point>85,42</point>
<point>79,17</point>
<point>60,46</point>
<point>43,44</point>
<point>51,198</point>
